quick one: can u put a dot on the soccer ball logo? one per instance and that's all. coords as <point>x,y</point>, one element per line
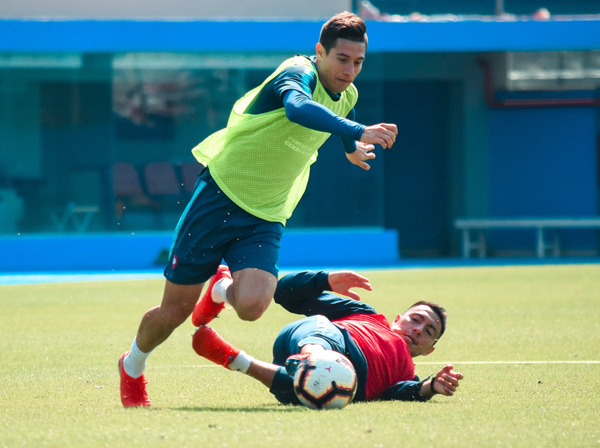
<point>325,380</point>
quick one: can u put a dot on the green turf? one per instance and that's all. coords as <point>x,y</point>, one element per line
<point>59,345</point>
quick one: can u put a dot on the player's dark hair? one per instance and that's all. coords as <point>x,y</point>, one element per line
<point>439,310</point>
<point>343,26</point>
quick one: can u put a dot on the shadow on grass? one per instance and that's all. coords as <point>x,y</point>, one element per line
<point>261,408</point>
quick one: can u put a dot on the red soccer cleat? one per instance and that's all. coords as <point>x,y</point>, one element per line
<point>210,345</point>
<point>133,390</point>
<point>206,310</point>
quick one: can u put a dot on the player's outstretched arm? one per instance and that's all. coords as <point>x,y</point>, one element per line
<point>341,282</point>
<point>383,134</point>
<point>445,382</point>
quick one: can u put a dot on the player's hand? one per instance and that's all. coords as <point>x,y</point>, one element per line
<point>446,380</point>
<point>341,282</point>
<point>362,153</point>
<point>383,134</point>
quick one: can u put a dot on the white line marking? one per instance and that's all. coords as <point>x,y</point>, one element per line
<point>425,363</point>
<point>187,367</point>
<point>507,362</point>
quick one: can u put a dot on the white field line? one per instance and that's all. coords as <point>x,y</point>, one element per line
<point>198,366</point>
<point>506,362</point>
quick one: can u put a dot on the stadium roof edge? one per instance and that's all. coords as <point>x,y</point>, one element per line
<point>102,36</point>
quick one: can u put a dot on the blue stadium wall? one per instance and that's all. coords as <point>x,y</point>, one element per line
<point>129,35</point>
<point>528,180</point>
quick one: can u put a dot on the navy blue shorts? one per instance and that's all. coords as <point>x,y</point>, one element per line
<point>310,330</point>
<point>213,228</point>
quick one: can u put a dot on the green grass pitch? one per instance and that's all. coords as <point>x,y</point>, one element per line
<point>527,340</point>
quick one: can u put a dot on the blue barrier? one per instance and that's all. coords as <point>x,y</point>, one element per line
<point>95,36</point>
<point>145,251</point>
<point>342,248</point>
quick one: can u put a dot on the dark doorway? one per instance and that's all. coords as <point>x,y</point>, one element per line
<point>416,168</point>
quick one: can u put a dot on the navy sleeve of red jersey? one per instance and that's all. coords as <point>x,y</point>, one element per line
<point>405,391</point>
<point>283,387</point>
<point>305,293</point>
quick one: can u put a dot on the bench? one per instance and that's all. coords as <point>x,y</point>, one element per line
<point>539,224</point>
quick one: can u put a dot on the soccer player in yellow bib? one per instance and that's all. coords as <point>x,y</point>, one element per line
<point>256,170</point>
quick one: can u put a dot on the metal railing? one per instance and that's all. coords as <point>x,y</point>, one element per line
<point>481,7</point>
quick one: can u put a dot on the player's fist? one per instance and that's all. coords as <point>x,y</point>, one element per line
<point>383,134</point>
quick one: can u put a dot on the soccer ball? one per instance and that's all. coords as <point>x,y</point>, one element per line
<point>325,380</point>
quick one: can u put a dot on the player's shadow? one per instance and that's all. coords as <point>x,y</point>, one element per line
<point>262,408</point>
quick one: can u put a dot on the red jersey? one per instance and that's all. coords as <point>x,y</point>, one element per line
<point>387,355</point>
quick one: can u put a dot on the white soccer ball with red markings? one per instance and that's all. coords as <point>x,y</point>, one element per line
<point>325,380</point>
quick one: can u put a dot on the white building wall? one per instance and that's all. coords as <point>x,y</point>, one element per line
<point>174,9</point>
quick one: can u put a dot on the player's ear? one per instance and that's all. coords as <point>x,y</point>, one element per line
<point>320,49</point>
<point>427,352</point>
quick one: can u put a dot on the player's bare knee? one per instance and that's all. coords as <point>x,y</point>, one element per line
<point>250,314</point>
<point>251,310</point>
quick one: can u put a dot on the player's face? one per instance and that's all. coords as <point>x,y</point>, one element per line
<point>420,327</point>
<point>338,68</point>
